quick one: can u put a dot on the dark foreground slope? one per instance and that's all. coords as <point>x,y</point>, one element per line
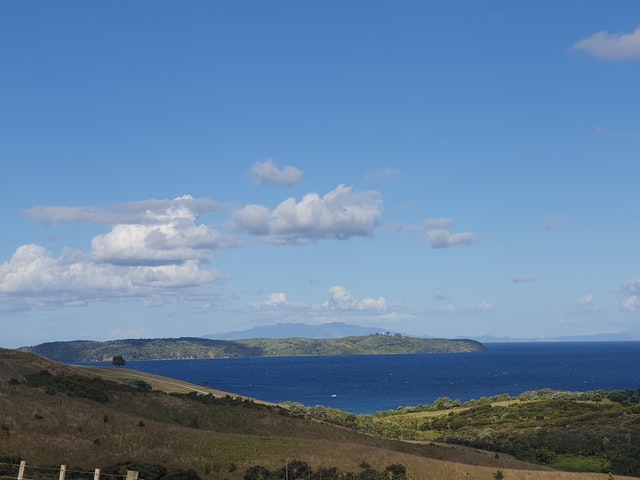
<point>188,348</point>
<point>52,414</point>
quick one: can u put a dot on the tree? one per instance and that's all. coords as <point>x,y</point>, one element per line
<point>118,361</point>
<point>395,471</point>
<point>256,472</point>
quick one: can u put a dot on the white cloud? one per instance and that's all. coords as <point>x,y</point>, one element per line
<point>175,241</point>
<point>277,299</point>
<point>631,303</point>
<point>32,278</point>
<point>150,232</point>
<point>633,287</point>
<point>444,239</point>
<point>154,248</point>
<point>268,173</point>
<point>439,236</point>
<point>485,306</point>
<point>144,212</point>
<point>615,46</point>
<point>340,214</point>
<point>587,299</point>
<point>632,293</point>
<point>341,299</point>
<point>340,306</point>
<point>451,309</point>
<point>589,304</point>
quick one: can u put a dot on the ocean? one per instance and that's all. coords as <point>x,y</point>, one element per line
<point>365,384</point>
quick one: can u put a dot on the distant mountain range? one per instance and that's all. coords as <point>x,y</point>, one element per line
<point>603,337</point>
<point>299,330</point>
<point>340,330</point>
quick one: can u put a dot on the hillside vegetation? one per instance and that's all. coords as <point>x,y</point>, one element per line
<point>52,414</point>
<point>189,348</point>
<point>593,431</point>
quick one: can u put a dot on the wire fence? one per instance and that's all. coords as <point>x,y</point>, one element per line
<point>22,471</point>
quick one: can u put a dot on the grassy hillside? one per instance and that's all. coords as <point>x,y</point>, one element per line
<point>186,348</point>
<point>580,431</point>
<point>52,414</point>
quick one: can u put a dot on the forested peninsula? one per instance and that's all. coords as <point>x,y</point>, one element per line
<point>195,347</point>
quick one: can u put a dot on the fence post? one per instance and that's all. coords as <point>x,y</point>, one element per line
<point>132,475</point>
<point>63,469</point>
<point>23,464</point>
<point>96,475</point>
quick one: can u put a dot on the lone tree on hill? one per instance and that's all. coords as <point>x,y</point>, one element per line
<point>118,361</point>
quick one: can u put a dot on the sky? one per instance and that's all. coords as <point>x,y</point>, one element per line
<point>435,168</point>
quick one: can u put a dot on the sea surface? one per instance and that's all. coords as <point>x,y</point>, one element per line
<point>365,384</point>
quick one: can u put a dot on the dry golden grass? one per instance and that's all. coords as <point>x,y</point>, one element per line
<point>161,384</point>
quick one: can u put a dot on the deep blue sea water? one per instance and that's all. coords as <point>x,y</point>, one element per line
<point>370,383</point>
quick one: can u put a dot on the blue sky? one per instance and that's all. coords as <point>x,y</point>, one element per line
<point>453,168</point>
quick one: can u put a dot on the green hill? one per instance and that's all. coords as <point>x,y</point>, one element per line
<point>193,347</point>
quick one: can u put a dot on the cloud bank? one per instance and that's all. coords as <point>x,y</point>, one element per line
<point>158,251</point>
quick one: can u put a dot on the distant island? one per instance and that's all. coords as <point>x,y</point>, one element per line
<point>195,347</point>
<point>301,330</point>
<point>341,329</point>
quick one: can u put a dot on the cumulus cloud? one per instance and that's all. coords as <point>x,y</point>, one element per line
<point>341,299</point>
<point>339,306</point>
<point>35,277</point>
<point>633,287</point>
<point>341,213</point>
<point>439,235</point>
<point>150,232</point>
<point>177,240</point>
<point>589,304</point>
<point>268,173</point>
<point>277,299</point>
<point>631,303</point>
<point>631,291</point>
<point>154,248</point>
<point>614,46</point>
<point>587,299</point>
